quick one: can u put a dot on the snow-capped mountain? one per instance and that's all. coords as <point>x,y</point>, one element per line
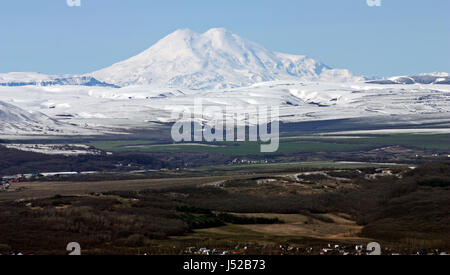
<point>433,78</point>
<point>36,79</point>
<point>212,60</point>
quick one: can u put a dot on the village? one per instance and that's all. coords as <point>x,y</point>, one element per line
<point>286,249</point>
<point>329,249</point>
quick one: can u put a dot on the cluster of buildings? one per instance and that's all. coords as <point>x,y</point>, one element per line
<point>7,181</point>
<point>286,249</point>
<point>358,250</point>
<point>214,251</point>
<point>238,161</point>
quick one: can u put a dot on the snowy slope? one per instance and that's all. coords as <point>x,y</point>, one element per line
<point>212,60</point>
<point>15,121</point>
<point>103,108</point>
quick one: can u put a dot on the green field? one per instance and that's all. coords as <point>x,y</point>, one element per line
<point>293,165</point>
<point>288,145</point>
<point>120,145</point>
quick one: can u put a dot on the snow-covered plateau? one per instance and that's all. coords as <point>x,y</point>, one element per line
<point>75,110</point>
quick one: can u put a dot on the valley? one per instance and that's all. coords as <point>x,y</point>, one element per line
<point>301,210</point>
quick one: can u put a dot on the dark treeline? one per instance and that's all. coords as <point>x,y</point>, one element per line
<point>20,162</point>
<point>412,211</point>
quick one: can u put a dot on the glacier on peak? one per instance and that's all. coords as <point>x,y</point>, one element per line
<point>214,59</point>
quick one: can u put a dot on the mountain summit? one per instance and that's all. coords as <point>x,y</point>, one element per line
<point>215,59</point>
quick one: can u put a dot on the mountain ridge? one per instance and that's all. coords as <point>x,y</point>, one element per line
<point>431,78</point>
<point>215,59</point>
<point>17,79</point>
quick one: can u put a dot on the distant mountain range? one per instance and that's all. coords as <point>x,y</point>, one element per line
<point>222,69</point>
<point>216,59</point>
<point>434,78</point>
<point>37,79</point>
<point>185,59</point>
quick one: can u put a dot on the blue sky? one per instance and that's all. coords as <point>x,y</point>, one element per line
<point>399,37</point>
